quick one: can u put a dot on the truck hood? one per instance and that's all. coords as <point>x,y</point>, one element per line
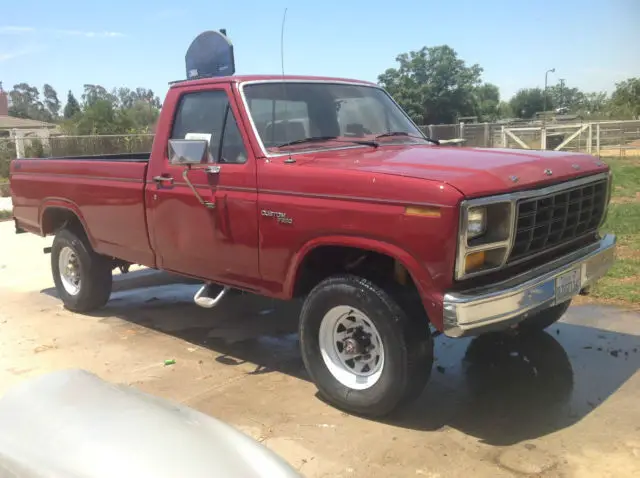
<point>473,171</point>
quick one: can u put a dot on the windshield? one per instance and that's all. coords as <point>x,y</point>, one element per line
<point>326,114</point>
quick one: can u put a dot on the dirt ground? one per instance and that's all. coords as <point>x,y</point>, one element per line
<point>562,405</point>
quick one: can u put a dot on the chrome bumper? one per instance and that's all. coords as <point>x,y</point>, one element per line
<point>507,303</point>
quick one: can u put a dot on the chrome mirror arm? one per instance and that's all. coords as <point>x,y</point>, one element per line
<point>209,170</point>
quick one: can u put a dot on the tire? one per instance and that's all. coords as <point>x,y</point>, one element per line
<point>403,347</point>
<point>93,271</point>
<point>544,319</point>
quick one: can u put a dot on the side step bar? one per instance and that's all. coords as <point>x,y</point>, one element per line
<point>203,299</point>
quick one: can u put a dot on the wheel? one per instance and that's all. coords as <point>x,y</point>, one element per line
<point>543,319</point>
<point>361,350</point>
<point>82,277</point>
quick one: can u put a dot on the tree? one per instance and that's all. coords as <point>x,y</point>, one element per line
<point>504,110</point>
<point>127,98</point>
<point>121,111</point>
<point>433,85</point>
<point>594,105</point>
<point>94,93</point>
<point>51,101</point>
<point>25,103</point>
<point>529,101</point>
<point>72,107</point>
<point>487,97</point>
<point>562,96</point>
<point>139,117</point>
<point>625,100</point>
<point>98,117</point>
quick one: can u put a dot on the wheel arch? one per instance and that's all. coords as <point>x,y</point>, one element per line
<point>294,284</point>
<point>56,214</point>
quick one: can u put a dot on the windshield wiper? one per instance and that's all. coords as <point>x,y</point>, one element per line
<point>404,133</point>
<point>311,139</point>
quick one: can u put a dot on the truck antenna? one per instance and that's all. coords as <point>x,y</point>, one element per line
<point>284,19</point>
<point>285,121</point>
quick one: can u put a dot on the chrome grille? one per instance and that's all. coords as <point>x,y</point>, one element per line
<point>543,223</point>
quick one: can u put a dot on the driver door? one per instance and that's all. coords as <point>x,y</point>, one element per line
<point>220,243</point>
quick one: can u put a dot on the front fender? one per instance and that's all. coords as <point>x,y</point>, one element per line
<point>431,299</point>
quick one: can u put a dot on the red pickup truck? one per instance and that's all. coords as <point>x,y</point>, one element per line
<point>324,189</point>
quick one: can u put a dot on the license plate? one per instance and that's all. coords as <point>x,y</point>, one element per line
<point>568,285</point>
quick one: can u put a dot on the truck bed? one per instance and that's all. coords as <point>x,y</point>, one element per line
<point>105,192</point>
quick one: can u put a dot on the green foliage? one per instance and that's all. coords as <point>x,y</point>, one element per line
<point>622,283</point>
<point>433,85</point>
<point>625,100</point>
<point>72,108</point>
<point>505,110</point>
<point>487,100</point>
<point>529,101</point>
<point>51,101</point>
<point>25,103</point>
<point>34,148</point>
<point>121,111</point>
<point>7,153</point>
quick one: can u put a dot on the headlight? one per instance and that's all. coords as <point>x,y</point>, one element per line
<point>485,233</point>
<point>476,222</point>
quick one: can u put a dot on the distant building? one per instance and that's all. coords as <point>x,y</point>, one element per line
<point>23,127</point>
<point>22,130</point>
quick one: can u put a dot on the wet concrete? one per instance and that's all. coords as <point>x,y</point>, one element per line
<point>563,403</point>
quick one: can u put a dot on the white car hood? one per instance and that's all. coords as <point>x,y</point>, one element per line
<point>73,424</point>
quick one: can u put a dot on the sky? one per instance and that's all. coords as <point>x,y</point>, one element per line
<point>592,44</point>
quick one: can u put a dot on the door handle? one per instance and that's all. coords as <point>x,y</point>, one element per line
<point>163,179</point>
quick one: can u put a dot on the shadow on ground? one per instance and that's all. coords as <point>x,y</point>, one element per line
<point>498,388</point>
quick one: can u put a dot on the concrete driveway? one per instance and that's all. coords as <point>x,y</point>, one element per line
<point>564,404</point>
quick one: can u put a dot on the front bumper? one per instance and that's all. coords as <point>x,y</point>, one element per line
<point>505,304</point>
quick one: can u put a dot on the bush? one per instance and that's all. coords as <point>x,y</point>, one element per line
<point>7,153</point>
<point>34,148</point>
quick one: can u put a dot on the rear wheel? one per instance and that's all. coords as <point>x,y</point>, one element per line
<point>360,348</point>
<point>543,319</point>
<point>82,277</point>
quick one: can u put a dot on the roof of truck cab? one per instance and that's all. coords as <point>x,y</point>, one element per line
<point>259,78</point>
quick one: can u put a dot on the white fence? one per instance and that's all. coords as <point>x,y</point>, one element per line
<point>606,138</point>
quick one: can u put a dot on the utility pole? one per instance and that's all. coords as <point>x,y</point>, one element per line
<point>543,131</point>
<point>552,70</point>
<point>561,80</point>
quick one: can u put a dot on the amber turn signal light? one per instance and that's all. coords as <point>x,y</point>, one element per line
<point>422,211</point>
<point>474,261</point>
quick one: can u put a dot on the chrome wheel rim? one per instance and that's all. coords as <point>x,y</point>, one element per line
<point>69,267</point>
<point>351,347</point>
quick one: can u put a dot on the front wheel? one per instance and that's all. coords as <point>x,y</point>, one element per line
<point>82,277</point>
<point>360,348</point>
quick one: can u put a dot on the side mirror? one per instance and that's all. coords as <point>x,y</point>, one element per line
<point>189,152</point>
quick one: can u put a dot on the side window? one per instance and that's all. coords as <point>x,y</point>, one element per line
<point>201,115</point>
<point>233,150</point>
